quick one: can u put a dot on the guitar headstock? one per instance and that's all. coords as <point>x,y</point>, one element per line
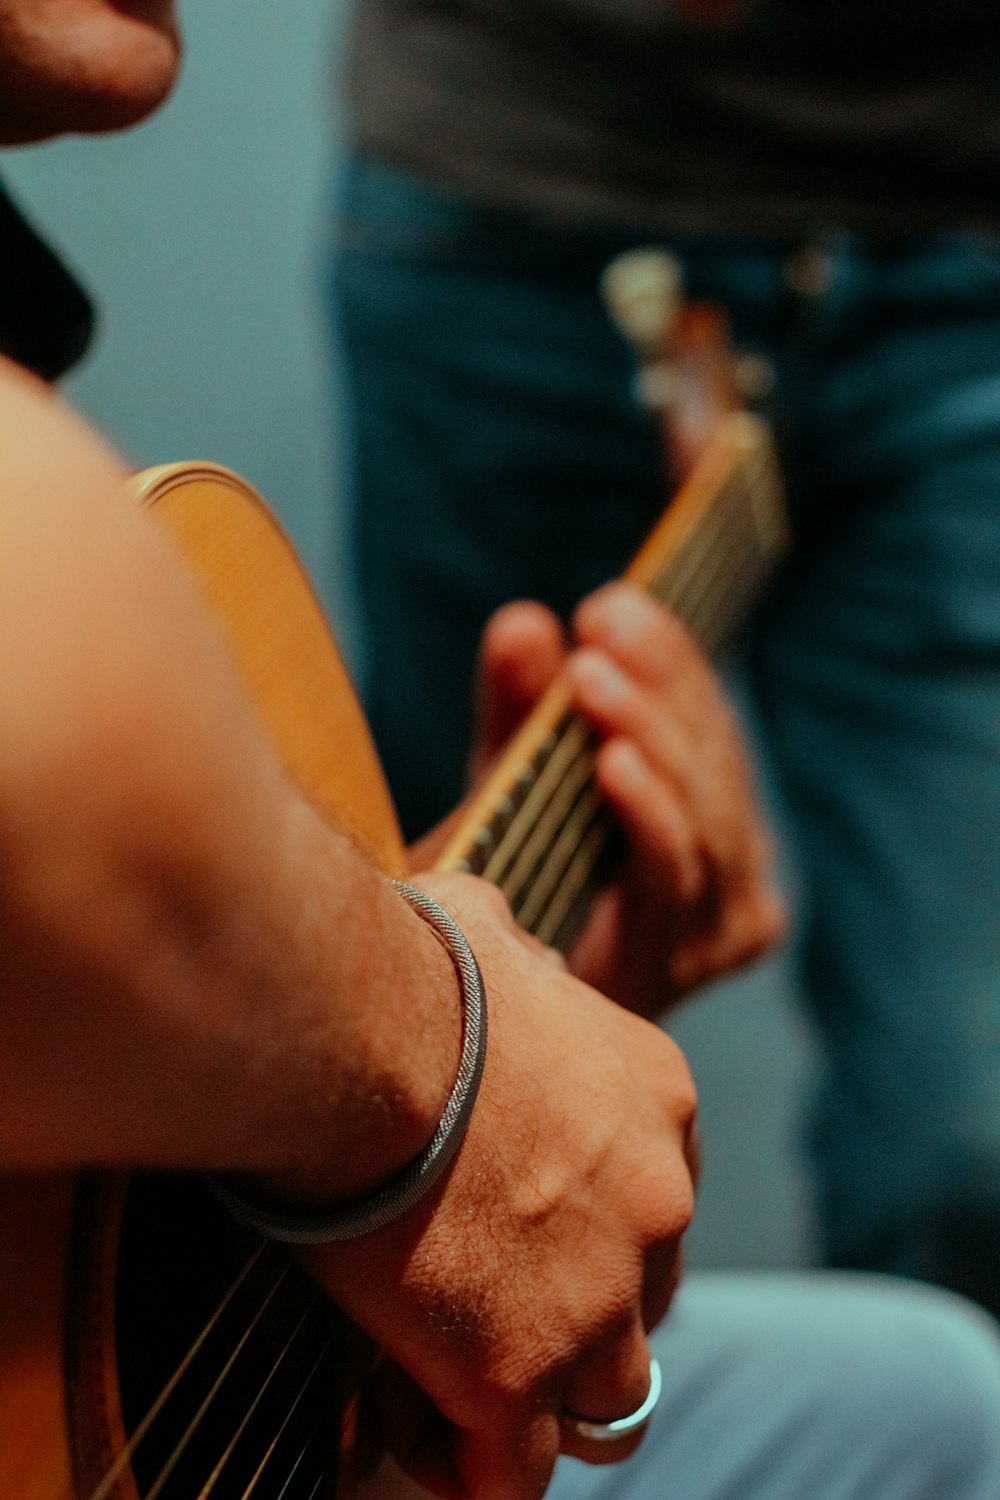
<point>688,376</point>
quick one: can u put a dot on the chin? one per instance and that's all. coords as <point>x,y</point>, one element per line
<point>99,65</point>
<point>122,102</point>
<point>119,84</point>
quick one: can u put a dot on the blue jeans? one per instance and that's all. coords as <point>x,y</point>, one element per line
<point>497,452</point>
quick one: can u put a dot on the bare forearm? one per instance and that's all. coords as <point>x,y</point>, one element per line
<point>303,1025</point>
<point>194,969</point>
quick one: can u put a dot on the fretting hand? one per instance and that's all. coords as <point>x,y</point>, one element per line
<point>694,898</point>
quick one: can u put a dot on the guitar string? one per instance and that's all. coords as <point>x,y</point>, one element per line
<point>302,1453</point>
<point>548,846</point>
<point>577,777</point>
<point>559,854</point>
<point>549,922</point>
<point>544,924</point>
<point>567,742</point>
<point>269,1453</point>
<point>106,1484</point>
<point>565,848</point>
<point>686,566</point>
<point>720,573</point>
<point>568,766</point>
<point>321,1421</point>
<point>575,773</point>
<point>573,885</point>
<point>676,588</point>
<point>718,631</point>
<point>686,606</point>
<point>565,888</point>
<point>230,1448</point>
<point>715,631</point>
<point>192,1426</point>
<point>571,890</point>
<point>171,1463</point>
<point>687,591</point>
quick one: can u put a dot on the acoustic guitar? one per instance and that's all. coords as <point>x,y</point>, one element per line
<point>150,1349</point>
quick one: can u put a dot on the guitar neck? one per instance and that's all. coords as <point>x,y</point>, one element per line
<point>538,828</point>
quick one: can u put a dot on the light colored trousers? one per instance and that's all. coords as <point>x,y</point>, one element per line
<point>814,1387</point>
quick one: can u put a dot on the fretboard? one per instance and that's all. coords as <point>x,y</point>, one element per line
<point>539,829</point>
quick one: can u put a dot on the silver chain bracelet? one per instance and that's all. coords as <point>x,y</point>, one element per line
<point>406,1187</point>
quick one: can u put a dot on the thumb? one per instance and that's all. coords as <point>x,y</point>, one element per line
<point>496,1461</point>
<point>522,649</point>
<point>419,1438</point>
<point>501,1462</point>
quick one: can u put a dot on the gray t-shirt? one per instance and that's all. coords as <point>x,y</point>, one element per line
<point>790,116</point>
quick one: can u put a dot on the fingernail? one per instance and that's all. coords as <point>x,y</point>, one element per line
<point>627,611</point>
<point>628,763</point>
<point>596,678</point>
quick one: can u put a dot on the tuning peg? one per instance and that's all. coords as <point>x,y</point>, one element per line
<point>641,290</point>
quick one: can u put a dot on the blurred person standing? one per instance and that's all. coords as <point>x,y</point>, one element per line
<point>828,174</point>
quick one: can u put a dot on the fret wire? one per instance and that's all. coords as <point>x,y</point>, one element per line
<point>715,538</point>
<point>716,628</point>
<point>230,1448</point>
<point>105,1486</point>
<point>171,1463</point>
<point>510,850</point>
<point>559,855</point>
<point>728,557</point>
<point>747,496</point>
<point>573,886</point>
<point>573,779</point>
<point>569,739</point>
<point>729,562</point>
<point>742,595</point>
<point>690,553</point>
<point>703,582</point>
<point>733,564</point>
<point>303,1388</point>
<point>698,570</point>
<point>683,568</point>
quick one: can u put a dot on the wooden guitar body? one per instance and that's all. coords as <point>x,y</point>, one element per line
<point>262,599</point>
<point>34,1453</point>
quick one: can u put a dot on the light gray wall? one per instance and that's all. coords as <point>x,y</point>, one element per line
<point>201,234</point>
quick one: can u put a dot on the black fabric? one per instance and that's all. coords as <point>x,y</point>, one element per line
<point>46,319</point>
<point>789,116</point>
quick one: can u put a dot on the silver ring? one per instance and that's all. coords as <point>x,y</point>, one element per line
<point>613,1432</point>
